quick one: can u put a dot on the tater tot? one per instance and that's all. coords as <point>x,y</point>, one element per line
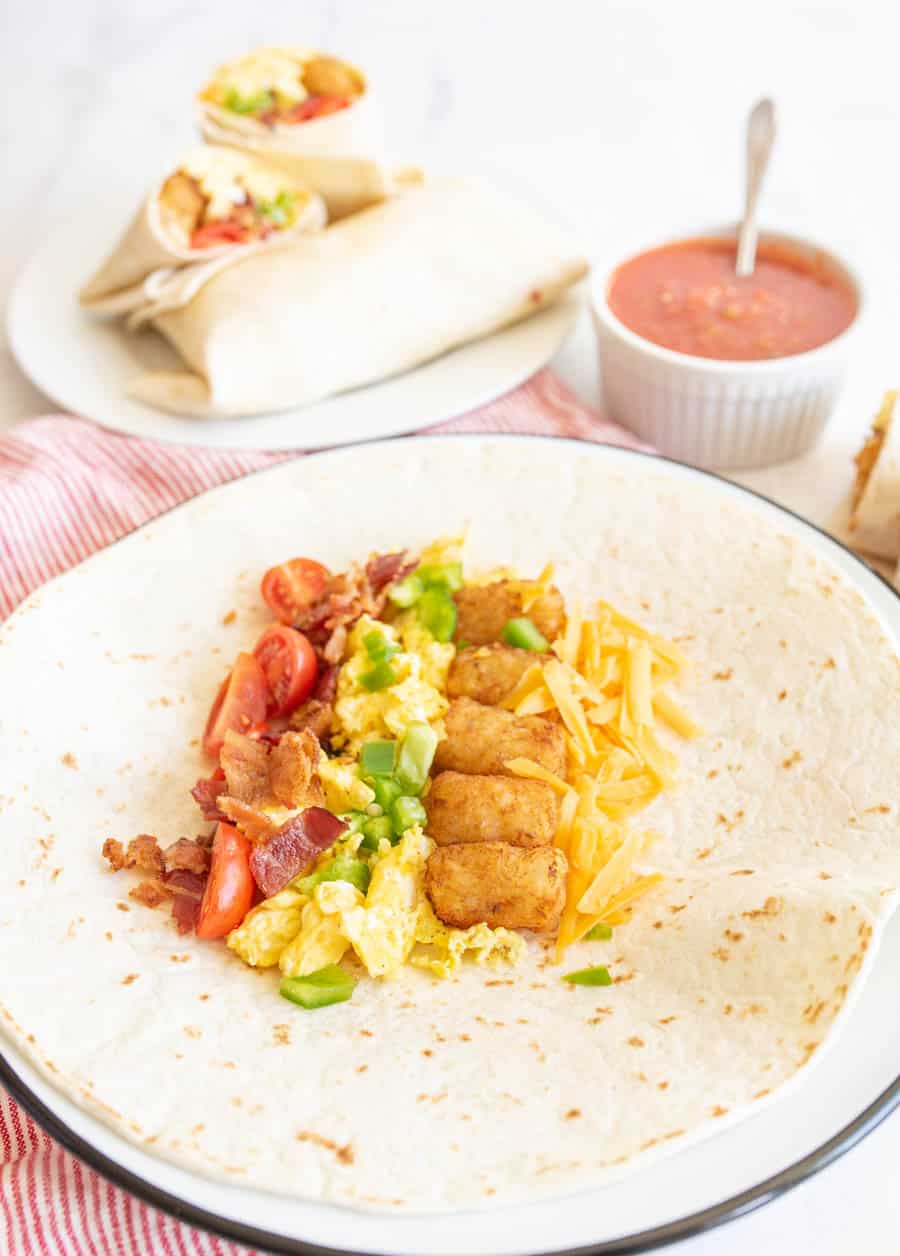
<point>504,886</point>
<point>480,739</point>
<point>490,809</point>
<point>483,612</point>
<point>326,76</point>
<point>487,673</point>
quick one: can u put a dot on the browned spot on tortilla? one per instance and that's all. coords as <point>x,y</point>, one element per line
<point>761,1094</point>
<point>829,664</point>
<point>674,1134</point>
<point>362,1068</point>
<point>539,985</point>
<point>522,1020</point>
<point>666,1020</point>
<point>662,1085</point>
<point>69,761</point>
<point>813,1011</point>
<point>229,618</point>
<point>123,907</point>
<point>465,1038</point>
<point>55,873</point>
<point>635,1041</point>
<point>282,1035</point>
<point>722,954</point>
<point>794,757</point>
<point>829,917</point>
<point>782,694</point>
<point>728,1009</point>
<point>825,876</point>
<point>718,1110</point>
<point>179,959</point>
<point>621,979</point>
<point>882,809</point>
<point>344,1155</point>
<point>366,1033</point>
<point>573,1114</point>
<point>678,907</point>
<point>808,1050</point>
<point>732,936</point>
<point>725,674</point>
<point>427,1051</point>
<point>202,997</point>
<point>535,296</point>
<point>704,854</point>
<point>657,924</point>
<point>126,981</point>
<point>771,907</point>
<point>500,983</point>
<point>651,1142</point>
<point>712,774</point>
<point>193,1031</point>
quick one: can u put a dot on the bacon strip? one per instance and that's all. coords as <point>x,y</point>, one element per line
<point>186,855</point>
<point>260,775</point>
<point>206,794</point>
<point>346,597</point>
<point>294,848</point>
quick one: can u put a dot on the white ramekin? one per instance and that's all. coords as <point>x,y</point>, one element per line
<point>720,414</point>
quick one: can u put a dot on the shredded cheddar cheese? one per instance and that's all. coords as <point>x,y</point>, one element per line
<point>606,680</point>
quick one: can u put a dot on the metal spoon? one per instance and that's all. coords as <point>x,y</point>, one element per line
<point>760,138</point>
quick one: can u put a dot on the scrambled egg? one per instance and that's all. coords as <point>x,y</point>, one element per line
<point>275,70</point>
<point>302,934</point>
<point>421,666</point>
<point>344,791</point>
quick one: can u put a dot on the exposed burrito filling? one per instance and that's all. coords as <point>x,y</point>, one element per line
<point>868,456</point>
<point>284,86</point>
<point>218,197</point>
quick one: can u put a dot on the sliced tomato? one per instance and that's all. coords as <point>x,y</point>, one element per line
<point>293,585</point>
<point>290,667</point>
<point>222,231</point>
<point>229,890</point>
<point>240,704</point>
<point>315,107</point>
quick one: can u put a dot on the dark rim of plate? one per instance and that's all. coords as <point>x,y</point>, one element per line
<point>643,1241</point>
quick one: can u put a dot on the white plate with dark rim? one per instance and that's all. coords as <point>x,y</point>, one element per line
<point>839,1100</point>
<point>85,366</point>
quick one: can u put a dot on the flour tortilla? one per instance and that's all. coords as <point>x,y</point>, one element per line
<point>341,155</point>
<point>150,267</point>
<point>376,294</point>
<point>875,521</point>
<point>780,849</point>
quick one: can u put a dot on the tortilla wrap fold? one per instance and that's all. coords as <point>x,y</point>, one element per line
<point>779,850</point>
<point>150,264</point>
<point>341,155</point>
<point>373,295</point>
<point>875,520</point>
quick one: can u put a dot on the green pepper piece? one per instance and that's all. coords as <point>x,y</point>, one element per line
<point>599,933</point>
<point>415,757</point>
<point>446,576</point>
<point>237,103</point>
<point>341,868</point>
<point>319,989</point>
<point>376,829</point>
<point>437,613</point>
<point>387,790</point>
<point>354,820</point>
<point>378,647</point>
<point>406,812</point>
<point>279,212</point>
<point>524,635</point>
<point>376,758</point>
<point>406,591</point>
<point>382,676</point>
<point>598,976</point>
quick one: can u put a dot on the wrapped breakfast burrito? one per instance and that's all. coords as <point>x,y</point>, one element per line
<point>376,294</point>
<point>217,205</point>
<point>311,113</point>
<point>875,518</point>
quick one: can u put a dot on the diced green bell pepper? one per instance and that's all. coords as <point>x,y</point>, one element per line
<point>446,576</point>
<point>378,647</point>
<point>341,868</point>
<point>599,933</point>
<point>415,757</point>
<point>382,676</point>
<point>523,634</point>
<point>322,988</point>
<point>376,829</point>
<point>437,613</point>
<point>376,758</point>
<point>407,591</point>
<point>386,791</point>
<point>598,976</point>
<point>405,812</point>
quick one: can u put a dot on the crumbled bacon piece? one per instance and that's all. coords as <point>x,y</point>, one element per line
<point>346,597</point>
<point>206,795</point>
<point>186,855</point>
<point>144,854</point>
<point>316,716</point>
<point>149,893</point>
<point>259,775</point>
<point>294,848</point>
<point>326,685</point>
<point>185,912</point>
<point>384,569</point>
<point>114,853</point>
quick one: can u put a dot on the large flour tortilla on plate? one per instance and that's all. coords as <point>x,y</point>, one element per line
<point>781,848</point>
<point>376,294</point>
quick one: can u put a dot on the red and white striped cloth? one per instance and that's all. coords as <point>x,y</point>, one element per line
<point>67,488</point>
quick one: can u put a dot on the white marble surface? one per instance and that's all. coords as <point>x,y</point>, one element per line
<point>626,114</point>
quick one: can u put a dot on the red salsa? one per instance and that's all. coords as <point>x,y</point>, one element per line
<point>686,296</point>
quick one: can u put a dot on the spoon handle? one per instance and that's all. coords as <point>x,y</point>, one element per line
<point>760,138</point>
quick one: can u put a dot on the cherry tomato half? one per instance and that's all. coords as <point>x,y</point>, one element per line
<point>229,890</point>
<point>292,586</point>
<point>316,107</point>
<point>240,703</point>
<point>226,231</point>
<point>290,667</point>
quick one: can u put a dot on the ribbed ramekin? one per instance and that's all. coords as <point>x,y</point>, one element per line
<point>721,414</point>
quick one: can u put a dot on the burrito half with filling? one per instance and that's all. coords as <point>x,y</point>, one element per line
<point>311,113</point>
<point>376,294</point>
<point>875,519</point>
<point>217,205</point>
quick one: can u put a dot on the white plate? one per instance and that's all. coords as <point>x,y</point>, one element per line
<point>849,1090</point>
<point>85,366</point>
